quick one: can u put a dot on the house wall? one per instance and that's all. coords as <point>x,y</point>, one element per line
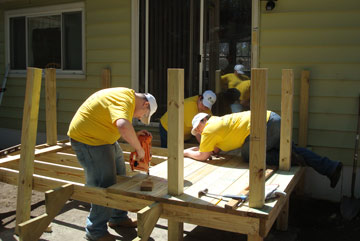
<point>107,45</point>
<point>323,37</point>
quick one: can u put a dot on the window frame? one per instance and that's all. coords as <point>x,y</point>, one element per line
<point>45,11</point>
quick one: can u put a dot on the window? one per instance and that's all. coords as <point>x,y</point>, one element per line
<point>47,37</point>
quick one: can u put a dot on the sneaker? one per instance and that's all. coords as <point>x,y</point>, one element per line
<point>334,178</point>
<point>106,237</point>
<point>127,223</point>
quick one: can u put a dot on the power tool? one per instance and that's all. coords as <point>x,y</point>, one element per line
<point>143,164</point>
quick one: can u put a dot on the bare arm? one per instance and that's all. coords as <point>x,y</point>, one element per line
<point>194,153</point>
<point>127,131</point>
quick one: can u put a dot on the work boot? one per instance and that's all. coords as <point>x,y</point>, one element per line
<point>106,237</point>
<point>334,178</point>
<point>127,223</point>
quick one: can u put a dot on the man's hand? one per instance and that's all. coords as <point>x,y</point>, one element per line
<point>194,153</point>
<point>143,133</point>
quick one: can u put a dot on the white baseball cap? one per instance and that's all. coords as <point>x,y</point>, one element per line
<point>196,120</point>
<point>209,98</point>
<point>239,68</point>
<point>153,107</point>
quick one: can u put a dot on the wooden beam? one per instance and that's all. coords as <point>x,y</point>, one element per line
<point>257,162</point>
<point>287,96</point>
<point>175,144</point>
<point>147,219</point>
<point>304,108</point>
<point>50,97</point>
<point>32,229</point>
<point>105,78</point>
<point>28,141</point>
<point>283,218</point>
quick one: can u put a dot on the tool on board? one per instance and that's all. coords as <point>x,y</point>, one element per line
<point>143,164</point>
<point>350,206</point>
<point>205,192</point>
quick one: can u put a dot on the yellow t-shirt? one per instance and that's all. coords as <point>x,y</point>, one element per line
<point>227,132</point>
<point>94,122</point>
<point>231,80</point>
<point>244,88</point>
<point>190,110</point>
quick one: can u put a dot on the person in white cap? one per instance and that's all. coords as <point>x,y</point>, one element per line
<point>94,130</point>
<point>241,82</point>
<point>232,131</point>
<point>192,106</point>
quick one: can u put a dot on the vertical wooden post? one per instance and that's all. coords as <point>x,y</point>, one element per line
<point>304,108</point>
<point>106,78</point>
<point>258,104</point>
<point>287,96</point>
<point>50,97</point>
<point>282,220</point>
<point>175,144</point>
<point>28,141</point>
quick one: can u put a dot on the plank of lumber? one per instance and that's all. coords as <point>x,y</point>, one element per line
<point>62,158</point>
<point>50,106</point>
<point>54,201</point>
<point>287,97</point>
<point>43,151</point>
<point>147,219</point>
<point>105,78</point>
<point>257,157</point>
<point>175,131</point>
<point>10,150</point>
<point>304,108</point>
<point>28,142</point>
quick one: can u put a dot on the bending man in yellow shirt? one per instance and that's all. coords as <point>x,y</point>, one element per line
<point>192,106</point>
<point>232,131</point>
<point>94,130</point>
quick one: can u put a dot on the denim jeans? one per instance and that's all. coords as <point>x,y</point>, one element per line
<point>322,165</point>
<point>101,165</point>
<point>236,107</point>
<point>163,136</point>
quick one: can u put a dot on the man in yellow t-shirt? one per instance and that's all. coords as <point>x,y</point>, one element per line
<point>244,89</point>
<point>94,130</point>
<point>192,106</point>
<point>232,131</point>
<point>231,80</point>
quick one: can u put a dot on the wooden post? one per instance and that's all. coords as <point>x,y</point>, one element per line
<point>147,219</point>
<point>175,144</point>
<point>283,218</point>
<point>106,78</point>
<point>50,97</point>
<point>304,108</point>
<point>28,141</point>
<point>287,96</point>
<point>257,164</point>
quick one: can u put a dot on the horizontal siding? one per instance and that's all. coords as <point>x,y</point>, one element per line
<point>107,45</point>
<point>323,37</point>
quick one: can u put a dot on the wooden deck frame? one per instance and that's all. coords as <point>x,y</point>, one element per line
<point>256,223</point>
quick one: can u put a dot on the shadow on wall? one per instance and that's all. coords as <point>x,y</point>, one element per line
<point>11,137</point>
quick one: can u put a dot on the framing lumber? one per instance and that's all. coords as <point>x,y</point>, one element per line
<point>175,144</point>
<point>147,219</point>
<point>257,163</point>
<point>28,141</point>
<point>55,199</point>
<point>50,103</point>
<point>255,38</point>
<point>106,78</point>
<point>304,108</point>
<point>287,96</point>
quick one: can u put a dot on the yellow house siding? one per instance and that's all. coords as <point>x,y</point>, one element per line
<point>107,45</point>
<point>322,36</point>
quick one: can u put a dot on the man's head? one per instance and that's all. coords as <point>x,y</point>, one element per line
<point>198,123</point>
<point>145,108</point>
<point>207,99</point>
<point>239,69</point>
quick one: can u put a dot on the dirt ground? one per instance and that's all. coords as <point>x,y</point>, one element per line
<point>309,220</point>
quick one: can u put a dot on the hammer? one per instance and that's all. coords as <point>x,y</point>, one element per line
<point>205,192</point>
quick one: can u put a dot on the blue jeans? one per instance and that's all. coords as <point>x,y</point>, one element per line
<point>322,165</point>
<point>163,136</point>
<point>101,165</point>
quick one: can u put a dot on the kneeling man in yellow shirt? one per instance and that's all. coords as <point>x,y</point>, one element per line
<point>230,132</point>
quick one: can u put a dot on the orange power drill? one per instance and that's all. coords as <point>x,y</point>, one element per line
<point>142,165</point>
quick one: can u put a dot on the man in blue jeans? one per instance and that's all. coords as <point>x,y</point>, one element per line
<point>232,131</point>
<point>94,130</point>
